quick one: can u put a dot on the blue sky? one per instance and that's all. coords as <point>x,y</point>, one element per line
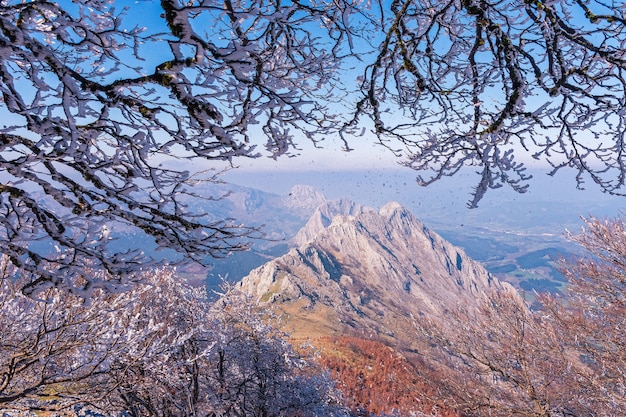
<point>367,154</point>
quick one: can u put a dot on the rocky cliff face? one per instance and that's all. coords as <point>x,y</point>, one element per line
<point>322,218</point>
<point>367,273</point>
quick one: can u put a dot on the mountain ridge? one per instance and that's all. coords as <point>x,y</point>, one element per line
<point>370,273</point>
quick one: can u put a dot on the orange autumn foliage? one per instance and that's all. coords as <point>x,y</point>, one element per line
<point>377,380</point>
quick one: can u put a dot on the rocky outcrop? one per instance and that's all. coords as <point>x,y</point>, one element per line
<point>322,218</point>
<point>368,273</point>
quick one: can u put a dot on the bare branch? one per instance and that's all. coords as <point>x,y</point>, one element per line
<point>486,83</point>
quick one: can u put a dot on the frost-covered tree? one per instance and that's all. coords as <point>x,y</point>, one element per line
<point>233,363</point>
<point>58,351</point>
<point>591,320</point>
<point>254,372</point>
<point>92,105</point>
<point>487,83</point>
<point>158,349</point>
<point>502,359</point>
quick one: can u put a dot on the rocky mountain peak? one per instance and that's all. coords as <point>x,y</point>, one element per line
<point>304,198</point>
<point>368,271</point>
<point>392,208</point>
<point>323,217</point>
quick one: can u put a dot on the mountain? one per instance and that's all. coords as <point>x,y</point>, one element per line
<point>368,274</point>
<point>303,199</point>
<point>322,218</point>
<point>506,225</point>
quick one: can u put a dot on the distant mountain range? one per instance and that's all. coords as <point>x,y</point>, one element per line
<point>522,257</point>
<point>514,235</point>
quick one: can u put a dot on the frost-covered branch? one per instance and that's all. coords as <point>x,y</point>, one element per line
<point>493,83</point>
<point>92,106</point>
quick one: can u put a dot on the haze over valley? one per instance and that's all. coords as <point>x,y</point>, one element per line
<point>516,236</point>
